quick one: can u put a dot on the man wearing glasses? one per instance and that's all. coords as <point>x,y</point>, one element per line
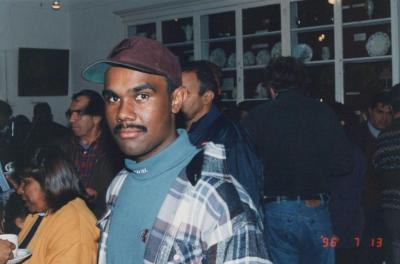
<point>95,155</point>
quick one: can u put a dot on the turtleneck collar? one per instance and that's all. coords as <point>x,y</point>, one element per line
<point>157,165</point>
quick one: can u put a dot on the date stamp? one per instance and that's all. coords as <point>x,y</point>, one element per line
<point>332,242</point>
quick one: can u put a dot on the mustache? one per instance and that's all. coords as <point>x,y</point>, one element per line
<point>118,128</point>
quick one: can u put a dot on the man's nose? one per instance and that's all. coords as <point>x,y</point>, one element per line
<point>20,189</point>
<point>126,111</point>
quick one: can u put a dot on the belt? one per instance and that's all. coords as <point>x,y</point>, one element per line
<point>280,198</point>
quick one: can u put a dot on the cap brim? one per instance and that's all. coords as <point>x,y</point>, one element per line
<point>95,72</point>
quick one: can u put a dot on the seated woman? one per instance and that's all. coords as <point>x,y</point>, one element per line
<point>60,228</point>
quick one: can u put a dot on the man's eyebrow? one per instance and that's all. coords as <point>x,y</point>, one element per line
<point>137,89</point>
<point>142,87</point>
<point>107,92</point>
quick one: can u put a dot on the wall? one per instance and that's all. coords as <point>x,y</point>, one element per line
<point>25,24</point>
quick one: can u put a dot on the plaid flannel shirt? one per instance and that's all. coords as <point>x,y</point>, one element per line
<point>210,221</point>
<point>85,160</point>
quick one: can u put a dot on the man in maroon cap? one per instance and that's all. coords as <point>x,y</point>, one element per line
<point>173,202</point>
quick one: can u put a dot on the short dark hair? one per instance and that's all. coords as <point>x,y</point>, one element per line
<point>205,75</point>
<point>5,109</point>
<point>285,73</point>
<point>379,98</point>
<point>95,106</point>
<point>42,112</point>
<point>396,106</point>
<point>55,174</point>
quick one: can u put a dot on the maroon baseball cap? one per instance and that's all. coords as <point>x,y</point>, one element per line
<point>141,54</point>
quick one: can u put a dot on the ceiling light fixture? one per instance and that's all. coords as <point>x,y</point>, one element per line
<point>56,5</point>
<point>332,2</point>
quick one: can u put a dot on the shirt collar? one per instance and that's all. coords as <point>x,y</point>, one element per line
<point>374,131</point>
<point>205,121</point>
<point>155,165</point>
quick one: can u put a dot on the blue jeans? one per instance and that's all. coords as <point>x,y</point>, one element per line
<point>297,233</point>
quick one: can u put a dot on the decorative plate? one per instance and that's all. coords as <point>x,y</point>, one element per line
<point>303,52</point>
<point>218,57</point>
<point>232,60</point>
<point>249,58</point>
<point>378,44</point>
<point>261,91</point>
<point>276,50</point>
<point>263,57</point>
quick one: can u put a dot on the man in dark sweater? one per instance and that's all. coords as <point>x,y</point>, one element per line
<point>301,144</point>
<point>387,167</point>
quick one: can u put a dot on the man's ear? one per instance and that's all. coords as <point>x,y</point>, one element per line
<point>97,119</point>
<point>208,97</point>
<point>177,98</point>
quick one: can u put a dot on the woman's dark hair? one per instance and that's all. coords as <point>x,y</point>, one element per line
<point>55,174</point>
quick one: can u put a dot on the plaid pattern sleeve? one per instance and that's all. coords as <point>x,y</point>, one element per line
<point>212,221</point>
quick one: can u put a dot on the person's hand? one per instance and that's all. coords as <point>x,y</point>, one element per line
<point>6,249</point>
<point>92,193</point>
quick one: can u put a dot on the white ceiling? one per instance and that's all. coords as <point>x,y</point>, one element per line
<point>83,3</point>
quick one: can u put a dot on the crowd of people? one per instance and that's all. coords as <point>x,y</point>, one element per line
<point>153,171</point>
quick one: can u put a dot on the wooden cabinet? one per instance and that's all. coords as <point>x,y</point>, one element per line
<point>351,48</point>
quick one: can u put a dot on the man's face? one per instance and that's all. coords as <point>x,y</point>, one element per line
<point>82,125</point>
<point>140,112</point>
<point>193,107</point>
<point>380,116</point>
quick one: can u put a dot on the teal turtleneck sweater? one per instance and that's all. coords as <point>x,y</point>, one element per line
<point>141,197</point>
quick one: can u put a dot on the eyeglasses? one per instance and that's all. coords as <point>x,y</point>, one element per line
<point>78,112</point>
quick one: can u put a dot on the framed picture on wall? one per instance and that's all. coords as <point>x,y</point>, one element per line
<point>43,72</point>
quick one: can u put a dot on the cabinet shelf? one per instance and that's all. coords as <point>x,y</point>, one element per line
<point>369,22</point>
<point>254,67</point>
<point>229,69</point>
<point>312,29</point>
<point>222,39</point>
<point>367,59</point>
<point>262,34</point>
<point>319,62</point>
<point>179,44</point>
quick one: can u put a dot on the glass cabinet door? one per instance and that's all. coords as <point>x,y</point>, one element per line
<point>145,30</point>
<point>218,44</point>
<point>177,35</point>
<point>261,42</point>
<point>366,50</point>
<point>312,37</point>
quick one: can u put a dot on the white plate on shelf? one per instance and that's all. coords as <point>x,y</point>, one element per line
<point>232,60</point>
<point>218,57</point>
<point>249,58</point>
<point>261,91</point>
<point>22,253</point>
<point>378,44</point>
<point>303,52</point>
<point>263,57</point>
<point>276,50</point>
